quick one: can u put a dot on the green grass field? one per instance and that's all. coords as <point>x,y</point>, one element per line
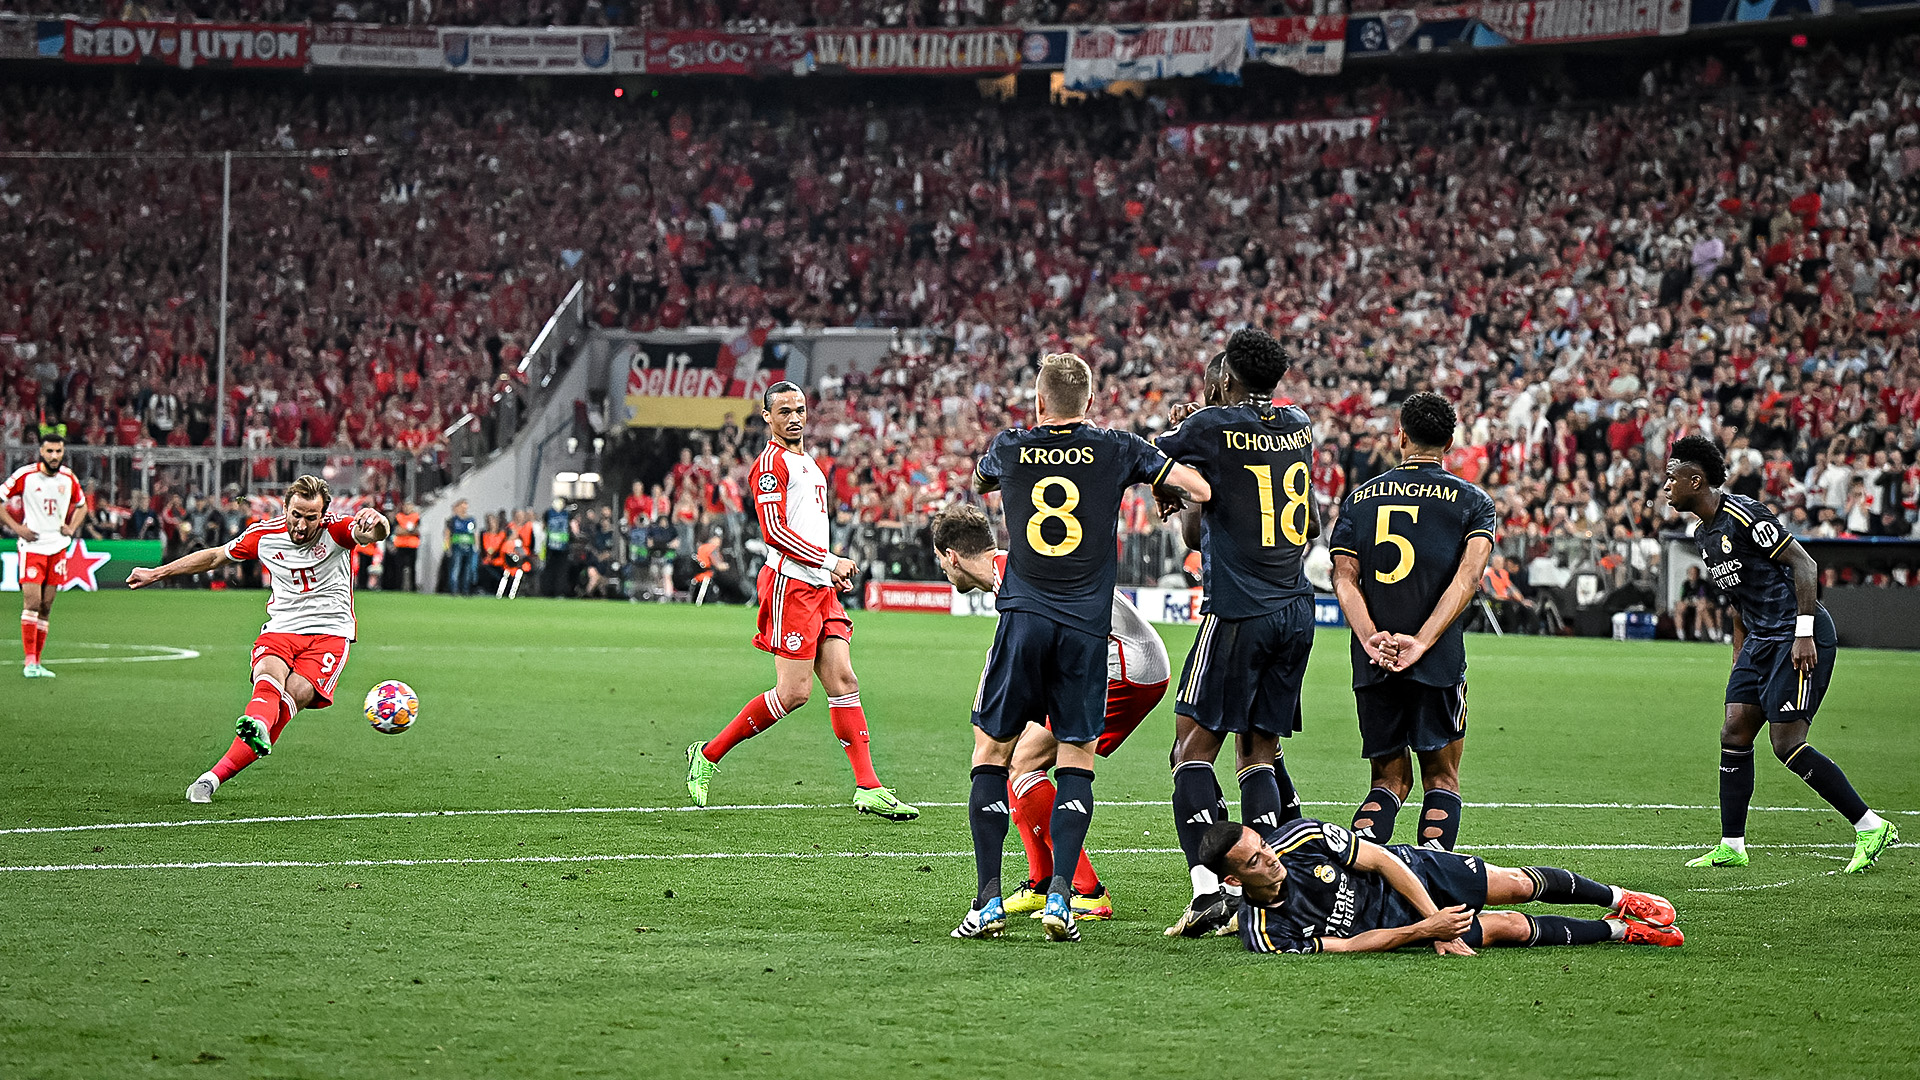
<point>633,939</point>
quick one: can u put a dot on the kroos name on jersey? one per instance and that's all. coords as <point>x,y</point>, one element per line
<point>1055,455</point>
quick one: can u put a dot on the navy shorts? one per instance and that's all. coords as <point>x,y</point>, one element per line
<point>1245,674</point>
<point>1450,878</point>
<point>1040,671</point>
<point>1398,714</point>
<point>1764,675</point>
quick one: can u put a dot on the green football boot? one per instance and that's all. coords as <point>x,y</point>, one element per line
<point>1721,855</point>
<point>254,734</point>
<point>1869,843</point>
<point>883,802</point>
<point>699,773</point>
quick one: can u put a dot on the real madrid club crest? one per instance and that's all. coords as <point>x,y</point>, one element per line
<point>1324,873</point>
<point>1726,545</point>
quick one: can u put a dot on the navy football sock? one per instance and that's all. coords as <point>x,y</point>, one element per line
<point>1376,825</point>
<point>1072,816</point>
<point>1289,797</point>
<point>1736,788</point>
<point>1552,885</point>
<point>987,817</point>
<point>1261,804</point>
<point>1825,778</point>
<point>1560,930</point>
<point>1440,819</point>
<point>1196,806</point>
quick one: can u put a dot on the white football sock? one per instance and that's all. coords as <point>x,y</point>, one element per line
<point>1204,881</point>
<point>1871,821</point>
<point>1737,843</point>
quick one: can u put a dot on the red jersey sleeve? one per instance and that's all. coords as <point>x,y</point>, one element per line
<point>341,529</point>
<point>16,484</point>
<point>770,499</point>
<point>245,546</point>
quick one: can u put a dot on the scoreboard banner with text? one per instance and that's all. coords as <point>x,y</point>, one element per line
<point>91,564</point>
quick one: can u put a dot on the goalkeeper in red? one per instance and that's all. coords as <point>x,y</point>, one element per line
<point>306,555</point>
<point>802,622</point>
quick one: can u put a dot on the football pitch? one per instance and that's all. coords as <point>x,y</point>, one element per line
<point>515,888</point>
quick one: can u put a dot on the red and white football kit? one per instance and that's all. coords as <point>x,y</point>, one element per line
<point>798,603</point>
<point>1137,675</point>
<point>1137,668</point>
<point>310,622</point>
<point>46,502</point>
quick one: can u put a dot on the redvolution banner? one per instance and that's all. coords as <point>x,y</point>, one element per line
<point>919,52</point>
<point>186,44</point>
<point>909,596</point>
<point>1541,21</point>
<point>714,52</point>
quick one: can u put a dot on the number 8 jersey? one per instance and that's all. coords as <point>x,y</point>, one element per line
<point>1060,487</point>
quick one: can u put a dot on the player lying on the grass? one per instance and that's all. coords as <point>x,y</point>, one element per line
<point>1244,673</point>
<point>1137,676</point>
<point>1784,645</point>
<point>52,507</point>
<point>1310,886</point>
<point>1060,485</point>
<point>1409,551</point>
<point>306,555</point>
<point>802,622</point>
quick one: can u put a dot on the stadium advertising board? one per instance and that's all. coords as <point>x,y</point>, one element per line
<point>1195,138</point>
<point>1311,44</point>
<point>988,50</point>
<point>674,381</point>
<point>715,52</point>
<point>527,52</point>
<point>1098,55</point>
<point>413,48</point>
<point>186,45</point>
<point>91,564</point>
<point>909,596</point>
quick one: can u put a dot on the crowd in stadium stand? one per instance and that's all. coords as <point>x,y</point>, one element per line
<point>734,15</point>
<point>1734,250</point>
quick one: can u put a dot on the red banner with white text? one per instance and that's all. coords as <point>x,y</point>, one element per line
<point>716,52</point>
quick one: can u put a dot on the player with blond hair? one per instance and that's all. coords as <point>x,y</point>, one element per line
<point>306,555</point>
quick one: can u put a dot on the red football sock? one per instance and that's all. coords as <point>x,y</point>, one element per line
<point>759,715</point>
<point>1033,813</point>
<point>268,702</point>
<point>850,727</point>
<point>237,757</point>
<point>1032,799</point>
<point>270,705</point>
<point>29,637</point>
<point>39,638</point>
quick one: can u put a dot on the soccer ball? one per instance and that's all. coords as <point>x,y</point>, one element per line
<point>392,707</point>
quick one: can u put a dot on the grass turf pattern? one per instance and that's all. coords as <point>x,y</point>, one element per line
<point>815,940</point>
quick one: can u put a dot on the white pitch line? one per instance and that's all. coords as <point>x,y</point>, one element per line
<point>384,815</point>
<point>166,653</point>
<point>302,864</point>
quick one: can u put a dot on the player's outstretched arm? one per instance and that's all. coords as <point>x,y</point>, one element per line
<point>1445,925</point>
<point>1375,859</point>
<point>370,526</point>
<point>199,562</point>
<point>1466,582</point>
<point>1189,483</point>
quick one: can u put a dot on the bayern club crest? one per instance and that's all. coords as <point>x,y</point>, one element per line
<point>794,641</point>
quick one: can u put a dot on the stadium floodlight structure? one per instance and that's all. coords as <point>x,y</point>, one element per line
<point>225,158</point>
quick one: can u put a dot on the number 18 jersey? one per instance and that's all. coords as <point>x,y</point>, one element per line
<point>1258,458</point>
<point>1060,487</point>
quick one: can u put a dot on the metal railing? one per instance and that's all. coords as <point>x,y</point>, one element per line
<point>116,474</point>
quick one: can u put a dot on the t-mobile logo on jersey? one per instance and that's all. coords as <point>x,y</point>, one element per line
<point>303,575</point>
